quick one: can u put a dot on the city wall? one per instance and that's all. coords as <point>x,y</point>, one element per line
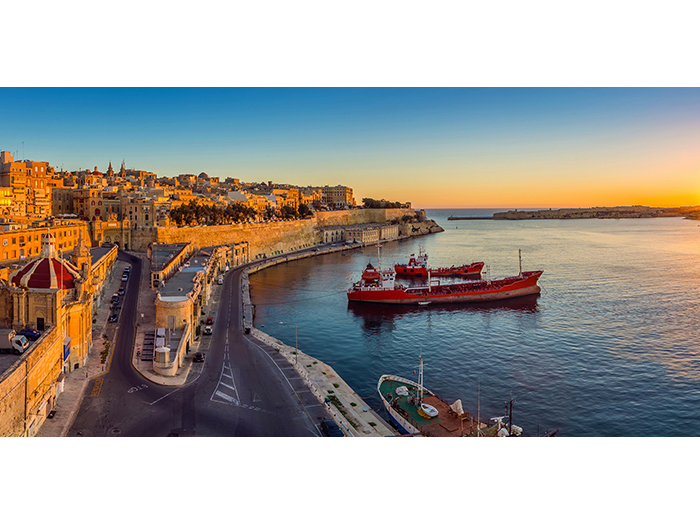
<point>263,238</point>
<point>364,216</point>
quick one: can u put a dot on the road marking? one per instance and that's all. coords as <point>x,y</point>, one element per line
<point>313,423</point>
<point>230,386</point>
<point>227,368</point>
<point>225,396</point>
<point>96,388</point>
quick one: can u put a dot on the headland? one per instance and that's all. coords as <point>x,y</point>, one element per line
<point>598,212</point>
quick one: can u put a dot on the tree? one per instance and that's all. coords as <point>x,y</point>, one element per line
<point>304,211</point>
<point>288,212</point>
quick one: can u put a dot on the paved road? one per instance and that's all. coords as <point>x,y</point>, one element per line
<point>243,388</point>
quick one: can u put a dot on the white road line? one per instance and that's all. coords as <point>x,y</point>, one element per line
<point>226,384</point>
<point>225,396</point>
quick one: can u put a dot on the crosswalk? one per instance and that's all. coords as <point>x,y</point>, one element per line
<point>226,391</point>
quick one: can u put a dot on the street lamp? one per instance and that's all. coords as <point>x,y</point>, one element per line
<point>296,345</point>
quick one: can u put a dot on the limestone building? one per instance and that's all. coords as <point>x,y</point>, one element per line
<point>56,297</point>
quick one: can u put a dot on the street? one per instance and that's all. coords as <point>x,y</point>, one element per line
<point>243,388</point>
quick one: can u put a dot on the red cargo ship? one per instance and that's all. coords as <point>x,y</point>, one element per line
<point>379,286</point>
<point>418,267</point>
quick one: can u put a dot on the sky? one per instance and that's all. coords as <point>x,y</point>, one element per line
<point>434,147</point>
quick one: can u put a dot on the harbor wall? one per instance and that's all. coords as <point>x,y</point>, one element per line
<point>270,237</point>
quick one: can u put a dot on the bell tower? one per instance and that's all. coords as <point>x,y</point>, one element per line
<point>80,256</point>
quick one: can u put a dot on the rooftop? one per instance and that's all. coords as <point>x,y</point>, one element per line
<point>180,284</point>
<point>97,253</point>
<point>164,253</point>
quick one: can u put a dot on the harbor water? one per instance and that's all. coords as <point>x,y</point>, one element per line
<point>611,347</point>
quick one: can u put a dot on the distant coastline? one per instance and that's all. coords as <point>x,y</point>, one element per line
<point>614,212</point>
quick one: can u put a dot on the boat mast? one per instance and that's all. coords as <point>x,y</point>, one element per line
<point>478,407</point>
<point>420,381</point>
<point>520,263</point>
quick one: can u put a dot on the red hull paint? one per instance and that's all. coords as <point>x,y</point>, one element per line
<point>475,291</point>
<point>419,271</point>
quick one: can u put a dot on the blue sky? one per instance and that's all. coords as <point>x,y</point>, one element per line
<point>437,147</point>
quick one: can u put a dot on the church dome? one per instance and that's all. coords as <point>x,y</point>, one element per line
<point>48,271</point>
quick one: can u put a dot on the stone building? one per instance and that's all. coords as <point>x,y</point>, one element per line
<point>337,197</point>
<point>58,298</point>
<point>29,183</point>
<point>180,304</point>
<point>19,243</point>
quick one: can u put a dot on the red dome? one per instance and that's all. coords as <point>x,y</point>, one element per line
<point>47,272</point>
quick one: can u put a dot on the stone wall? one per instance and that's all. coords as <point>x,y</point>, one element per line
<point>28,389</point>
<point>264,238</point>
<point>420,228</point>
<point>346,217</point>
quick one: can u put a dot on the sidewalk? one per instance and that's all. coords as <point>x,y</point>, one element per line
<point>76,381</point>
<point>349,410</point>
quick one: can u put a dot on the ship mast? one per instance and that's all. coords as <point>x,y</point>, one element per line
<point>420,381</point>
<point>520,262</point>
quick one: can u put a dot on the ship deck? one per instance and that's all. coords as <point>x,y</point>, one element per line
<point>447,423</point>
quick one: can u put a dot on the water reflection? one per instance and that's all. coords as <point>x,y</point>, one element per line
<point>391,312</point>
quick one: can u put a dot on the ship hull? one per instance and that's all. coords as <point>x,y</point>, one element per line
<point>403,424</point>
<point>466,293</point>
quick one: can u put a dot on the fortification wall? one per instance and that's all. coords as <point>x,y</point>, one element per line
<point>346,217</point>
<point>263,238</point>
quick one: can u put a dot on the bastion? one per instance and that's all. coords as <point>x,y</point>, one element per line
<point>267,238</point>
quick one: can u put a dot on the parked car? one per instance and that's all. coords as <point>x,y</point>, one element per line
<point>207,330</point>
<point>330,428</point>
<point>115,307</point>
<point>121,291</point>
<point>30,334</point>
<point>125,277</point>
<point>198,357</point>
<point>115,298</point>
<point>113,318</point>
<point>210,320</point>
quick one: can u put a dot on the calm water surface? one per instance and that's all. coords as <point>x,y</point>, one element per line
<point>610,348</point>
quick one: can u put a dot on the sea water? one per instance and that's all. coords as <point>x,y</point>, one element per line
<point>611,346</point>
